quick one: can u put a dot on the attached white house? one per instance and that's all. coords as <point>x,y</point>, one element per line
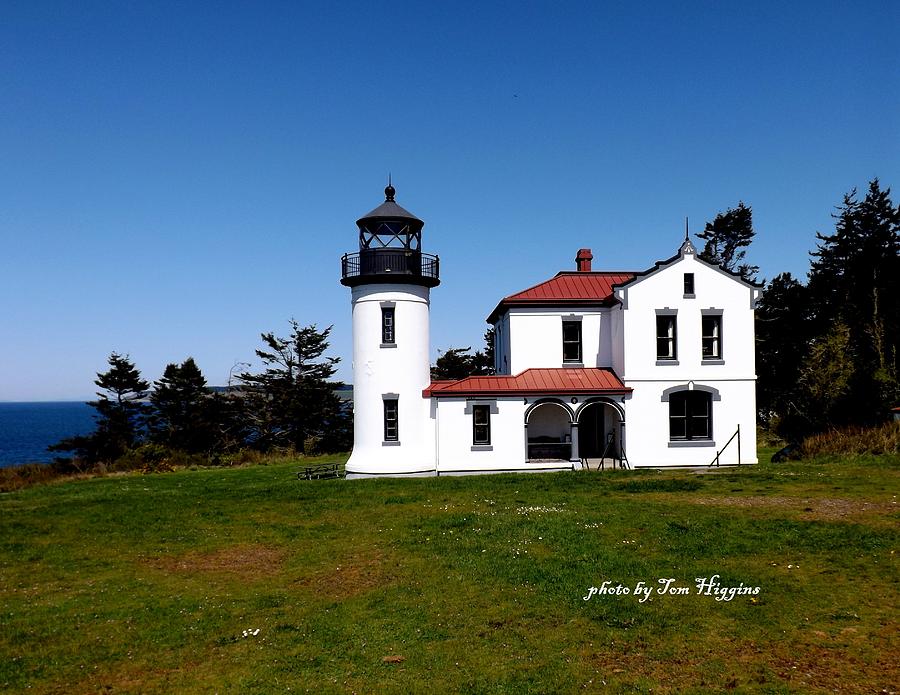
<point>638,369</point>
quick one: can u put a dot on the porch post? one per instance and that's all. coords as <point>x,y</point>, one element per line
<point>527,459</point>
<point>573,456</point>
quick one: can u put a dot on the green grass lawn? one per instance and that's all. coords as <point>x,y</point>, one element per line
<point>248,580</point>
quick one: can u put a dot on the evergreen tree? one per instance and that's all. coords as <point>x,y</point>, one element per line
<point>826,378</point>
<point>452,363</point>
<point>181,412</point>
<point>855,280</point>
<point>457,363</point>
<point>727,238</point>
<point>483,362</point>
<point>783,329</point>
<point>121,414</point>
<point>292,400</point>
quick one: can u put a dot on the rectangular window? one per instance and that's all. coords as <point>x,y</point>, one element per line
<point>571,341</point>
<point>690,415</point>
<point>712,337</point>
<point>481,424</point>
<point>390,420</point>
<point>387,325</point>
<point>665,337</point>
<point>688,284</point>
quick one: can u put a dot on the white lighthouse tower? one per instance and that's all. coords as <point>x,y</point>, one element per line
<point>391,281</point>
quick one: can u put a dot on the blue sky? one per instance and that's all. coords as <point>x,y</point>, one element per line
<point>177,178</point>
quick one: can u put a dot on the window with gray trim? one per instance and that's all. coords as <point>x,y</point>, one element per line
<point>688,284</point>
<point>712,336</point>
<point>571,339</point>
<point>481,424</point>
<point>388,337</point>
<point>666,338</point>
<point>391,418</point>
<point>690,415</point>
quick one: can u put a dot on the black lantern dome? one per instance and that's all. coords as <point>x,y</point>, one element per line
<point>390,249</point>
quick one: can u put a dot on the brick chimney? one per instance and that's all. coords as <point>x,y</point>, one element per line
<point>583,260</point>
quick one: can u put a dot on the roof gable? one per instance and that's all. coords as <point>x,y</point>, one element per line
<point>686,249</point>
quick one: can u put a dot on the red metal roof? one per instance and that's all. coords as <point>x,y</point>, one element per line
<point>533,382</point>
<point>567,288</point>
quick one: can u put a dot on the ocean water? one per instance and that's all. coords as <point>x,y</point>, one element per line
<point>27,429</point>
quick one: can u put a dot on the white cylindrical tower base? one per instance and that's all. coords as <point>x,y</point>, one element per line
<point>396,371</point>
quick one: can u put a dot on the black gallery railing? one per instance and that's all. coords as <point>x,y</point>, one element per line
<point>390,262</point>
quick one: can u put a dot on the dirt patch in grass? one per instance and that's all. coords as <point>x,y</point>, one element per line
<point>823,508</point>
<point>351,575</point>
<point>247,561</point>
<point>742,665</point>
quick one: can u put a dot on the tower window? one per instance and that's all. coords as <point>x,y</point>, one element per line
<point>688,284</point>
<point>666,339</point>
<point>391,429</point>
<point>712,337</point>
<point>481,424</point>
<point>388,335</point>
<point>571,341</point>
<point>690,415</point>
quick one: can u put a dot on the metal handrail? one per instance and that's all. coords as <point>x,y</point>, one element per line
<point>737,433</point>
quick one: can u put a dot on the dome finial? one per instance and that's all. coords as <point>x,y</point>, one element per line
<point>389,191</point>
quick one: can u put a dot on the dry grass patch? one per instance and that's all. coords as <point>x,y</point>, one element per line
<point>819,508</point>
<point>247,561</point>
<point>854,441</point>
<point>351,575</point>
<point>747,665</point>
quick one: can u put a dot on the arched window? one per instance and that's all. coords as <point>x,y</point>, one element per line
<point>690,415</point>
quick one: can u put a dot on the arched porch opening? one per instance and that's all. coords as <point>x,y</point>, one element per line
<point>548,431</point>
<point>601,433</point>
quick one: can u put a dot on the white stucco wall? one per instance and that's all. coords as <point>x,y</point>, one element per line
<point>733,377</point>
<point>536,337</point>
<point>664,290</point>
<point>647,425</point>
<point>456,452</point>
<point>403,370</point>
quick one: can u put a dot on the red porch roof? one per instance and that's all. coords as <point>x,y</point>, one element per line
<point>567,288</point>
<point>533,382</point>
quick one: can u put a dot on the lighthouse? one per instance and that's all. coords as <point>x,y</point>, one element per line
<point>391,280</point>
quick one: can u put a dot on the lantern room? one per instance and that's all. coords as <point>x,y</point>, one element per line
<point>390,249</point>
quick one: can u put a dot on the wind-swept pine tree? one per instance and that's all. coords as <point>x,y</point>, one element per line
<point>727,238</point>
<point>121,414</point>
<point>293,399</point>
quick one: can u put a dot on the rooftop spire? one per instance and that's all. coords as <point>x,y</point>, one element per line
<point>389,191</point>
<point>686,245</point>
